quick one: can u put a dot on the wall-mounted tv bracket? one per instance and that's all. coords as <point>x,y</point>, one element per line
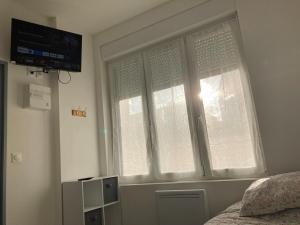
<point>42,70</point>
<point>37,72</point>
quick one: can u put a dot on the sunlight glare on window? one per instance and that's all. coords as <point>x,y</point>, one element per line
<point>227,122</point>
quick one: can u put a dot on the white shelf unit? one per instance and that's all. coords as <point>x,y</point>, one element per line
<point>83,198</point>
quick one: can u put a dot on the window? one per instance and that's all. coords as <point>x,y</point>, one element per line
<point>134,153</point>
<point>225,101</point>
<point>165,72</point>
<point>173,133</point>
<point>130,116</point>
<point>167,112</point>
<point>228,128</point>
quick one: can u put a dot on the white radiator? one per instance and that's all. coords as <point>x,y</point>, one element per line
<point>181,207</point>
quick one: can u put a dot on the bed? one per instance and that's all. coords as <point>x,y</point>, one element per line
<point>231,217</point>
<point>273,200</point>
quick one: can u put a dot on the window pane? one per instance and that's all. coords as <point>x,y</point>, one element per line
<point>165,75</point>
<point>227,122</point>
<point>134,152</point>
<point>173,133</point>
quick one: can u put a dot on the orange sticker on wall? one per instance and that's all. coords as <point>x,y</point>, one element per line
<point>78,113</point>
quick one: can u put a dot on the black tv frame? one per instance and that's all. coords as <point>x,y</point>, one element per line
<point>45,68</point>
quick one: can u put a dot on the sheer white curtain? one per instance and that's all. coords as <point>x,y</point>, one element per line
<point>131,138</point>
<point>175,150</point>
<point>183,105</point>
<point>225,105</point>
<point>152,128</point>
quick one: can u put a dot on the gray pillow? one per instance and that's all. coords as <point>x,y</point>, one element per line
<point>271,195</point>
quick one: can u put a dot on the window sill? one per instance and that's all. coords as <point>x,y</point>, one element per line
<point>190,182</point>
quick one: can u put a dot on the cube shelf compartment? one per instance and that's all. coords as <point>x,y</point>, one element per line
<point>84,201</point>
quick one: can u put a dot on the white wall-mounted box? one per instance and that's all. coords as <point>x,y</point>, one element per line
<point>38,97</point>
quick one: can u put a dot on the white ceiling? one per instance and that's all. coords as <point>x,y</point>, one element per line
<point>90,15</point>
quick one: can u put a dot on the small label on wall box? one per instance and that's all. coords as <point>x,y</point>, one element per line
<point>78,113</point>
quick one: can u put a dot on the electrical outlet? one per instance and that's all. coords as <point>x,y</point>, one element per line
<point>16,157</point>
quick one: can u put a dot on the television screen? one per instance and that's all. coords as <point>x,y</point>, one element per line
<point>49,48</point>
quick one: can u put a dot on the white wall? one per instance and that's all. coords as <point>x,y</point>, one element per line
<point>138,204</point>
<point>139,207</point>
<point>56,146</point>
<point>30,186</point>
<point>79,136</point>
<point>271,33</point>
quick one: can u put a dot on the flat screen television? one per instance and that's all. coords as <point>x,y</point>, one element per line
<point>45,47</point>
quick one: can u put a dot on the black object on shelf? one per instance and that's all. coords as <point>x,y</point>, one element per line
<point>110,190</point>
<point>86,178</point>
<point>93,217</point>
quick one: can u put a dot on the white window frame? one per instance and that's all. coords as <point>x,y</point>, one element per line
<point>198,173</point>
<point>196,122</point>
<point>209,173</point>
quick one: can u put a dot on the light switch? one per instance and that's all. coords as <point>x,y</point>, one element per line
<point>16,157</point>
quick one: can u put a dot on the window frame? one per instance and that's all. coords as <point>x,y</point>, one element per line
<point>198,173</point>
<point>116,129</point>
<point>195,113</point>
<point>199,108</point>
